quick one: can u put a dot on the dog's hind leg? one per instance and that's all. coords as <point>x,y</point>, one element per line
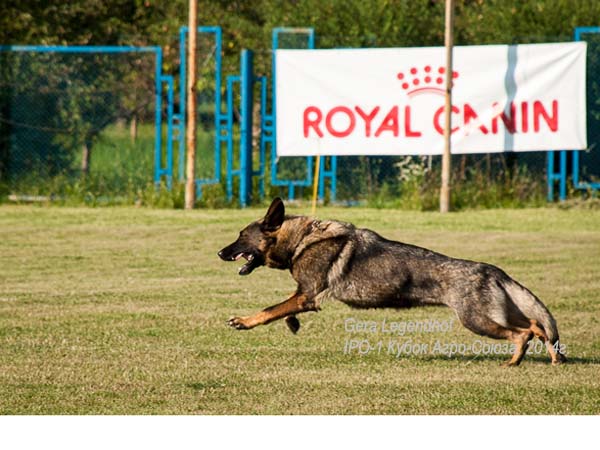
<point>557,357</point>
<point>521,340</point>
<point>487,326</point>
<point>297,303</point>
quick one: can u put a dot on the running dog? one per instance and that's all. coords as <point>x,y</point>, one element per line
<point>336,260</point>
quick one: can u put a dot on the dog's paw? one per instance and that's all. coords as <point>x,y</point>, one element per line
<point>293,323</point>
<point>510,363</point>
<point>238,323</point>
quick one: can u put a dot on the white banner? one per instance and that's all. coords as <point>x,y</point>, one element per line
<point>391,101</point>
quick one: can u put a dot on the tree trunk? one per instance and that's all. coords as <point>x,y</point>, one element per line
<point>86,157</point>
<point>133,128</point>
<point>190,132</point>
<point>256,125</point>
<point>369,176</point>
<point>463,167</point>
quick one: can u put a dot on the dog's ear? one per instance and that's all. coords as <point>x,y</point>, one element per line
<point>275,215</point>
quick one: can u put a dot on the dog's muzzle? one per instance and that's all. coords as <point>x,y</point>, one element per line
<point>253,260</point>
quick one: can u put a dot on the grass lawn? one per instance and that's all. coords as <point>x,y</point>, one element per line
<point>123,311</point>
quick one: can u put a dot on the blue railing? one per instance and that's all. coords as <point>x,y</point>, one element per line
<point>220,118</point>
<point>577,184</point>
<point>269,128</point>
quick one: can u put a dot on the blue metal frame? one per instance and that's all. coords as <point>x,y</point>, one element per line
<point>247,100</point>
<point>168,170</point>
<point>159,80</point>
<point>266,127</point>
<point>269,130</point>
<point>575,175</point>
<point>229,170</point>
<point>245,171</point>
<point>220,117</point>
<point>560,176</point>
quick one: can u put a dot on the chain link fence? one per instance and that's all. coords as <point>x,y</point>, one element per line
<point>76,123</point>
<point>589,160</point>
<point>82,125</point>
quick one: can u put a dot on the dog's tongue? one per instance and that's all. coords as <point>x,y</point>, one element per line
<point>249,266</point>
<point>246,268</point>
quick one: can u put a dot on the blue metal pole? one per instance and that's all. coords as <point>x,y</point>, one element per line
<point>550,175</point>
<point>182,100</point>
<point>580,30</point>
<point>576,169</point>
<point>231,79</point>
<point>264,136</point>
<point>247,83</point>
<point>158,118</point>
<point>274,46</point>
<point>79,49</point>
<point>311,38</point>
<point>322,175</point>
<point>218,114</point>
<point>333,186</point>
<point>169,80</point>
<point>563,175</point>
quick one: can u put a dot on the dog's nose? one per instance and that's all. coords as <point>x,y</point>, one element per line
<point>220,254</point>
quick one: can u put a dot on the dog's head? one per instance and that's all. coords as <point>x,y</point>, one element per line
<point>255,240</point>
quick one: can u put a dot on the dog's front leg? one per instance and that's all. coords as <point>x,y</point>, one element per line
<point>297,303</point>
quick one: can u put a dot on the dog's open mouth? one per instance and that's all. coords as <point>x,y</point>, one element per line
<point>250,265</point>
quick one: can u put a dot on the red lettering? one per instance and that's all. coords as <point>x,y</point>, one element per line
<point>389,123</point>
<point>314,123</point>
<point>538,110</point>
<point>407,131</point>
<point>524,118</point>
<point>470,114</point>
<point>509,122</point>
<point>368,118</point>
<point>351,123</point>
<point>436,119</point>
<point>340,121</point>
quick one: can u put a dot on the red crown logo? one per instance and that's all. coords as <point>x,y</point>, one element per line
<point>425,80</point>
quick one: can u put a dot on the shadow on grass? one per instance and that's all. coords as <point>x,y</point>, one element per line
<point>501,358</point>
<point>212,384</point>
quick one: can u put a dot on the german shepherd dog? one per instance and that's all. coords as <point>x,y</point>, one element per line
<point>336,260</point>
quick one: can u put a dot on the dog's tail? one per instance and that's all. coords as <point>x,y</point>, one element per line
<point>533,308</point>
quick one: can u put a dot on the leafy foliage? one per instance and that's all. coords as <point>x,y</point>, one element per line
<point>338,23</point>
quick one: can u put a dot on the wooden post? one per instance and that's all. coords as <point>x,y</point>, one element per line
<point>190,132</point>
<point>85,158</point>
<point>445,189</point>
<point>133,128</point>
<point>313,210</point>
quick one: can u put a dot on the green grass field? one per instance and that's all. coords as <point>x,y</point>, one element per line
<point>123,311</point>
